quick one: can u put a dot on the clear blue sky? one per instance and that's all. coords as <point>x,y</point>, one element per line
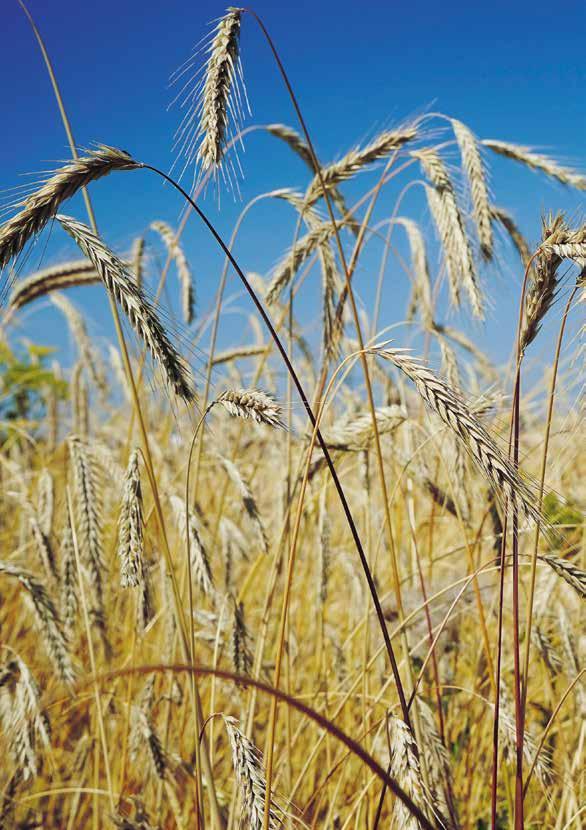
<point>510,70</point>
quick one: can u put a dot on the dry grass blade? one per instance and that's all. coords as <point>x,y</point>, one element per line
<point>141,314</point>
<point>43,204</point>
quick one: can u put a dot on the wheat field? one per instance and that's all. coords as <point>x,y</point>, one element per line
<point>327,576</point>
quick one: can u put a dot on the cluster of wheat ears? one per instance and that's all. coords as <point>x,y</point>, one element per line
<point>305,603</point>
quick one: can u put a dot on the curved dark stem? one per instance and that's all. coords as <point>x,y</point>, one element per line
<point>322,444</point>
<point>293,702</point>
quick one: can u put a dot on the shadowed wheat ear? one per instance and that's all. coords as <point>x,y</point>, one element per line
<point>24,723</point>
<point>47,618</point>
<point>249,770</point>
<point>88,505</point>
<point>544,279</point>
<point>141,314</point>
<point>130,526</point>
<point>421,283</point>
<point>473,166</point>
<point>214,103</point>
<point>78,329</point>
<point>43,204</point>
<point>200,563</point>
<point>248,500</point>
<point>65,275</point>
<point>448,404</point>
<point>506,220</point>
<point>252,404</point>
<point>356,433</point>
<point>451,229</point>
<point>537,161</point>
<point>183,270</point>
<point>569,572</point>
<point>404,766</point>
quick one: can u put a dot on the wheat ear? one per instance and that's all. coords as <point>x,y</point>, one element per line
<point>141,314</point>
<point>47,618</point>
<point>130,526</point>
<point>64,275</point>
<point>537,161</point>
<point>249,770</point>
<point>476,174</point>
<point>448,404</point>
<point>252,404</point>
<point>177,253</point>
<point>43,204</point>
<point>451,229</point>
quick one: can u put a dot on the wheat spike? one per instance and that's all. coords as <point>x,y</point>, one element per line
<point>183,270</point>
<point>404,766</point>
<point>141,314</point>
<point>248,501</point>
<point>387,142</point>
<point>89,510</point>
<point>24,722</point>
<point>69,584</point>
<point>537,161</point>
<point>248,767</point>
<point>451,229</point>
<point>47,618</point>
<point>476,175</point>
<point>252,404</point>
<point>569,572</point>
<point>242,658</point>
<point>517,238</point>
<point>65,275</point>
<point>137,260</point>
<point>130,526</point>
<point>78,330</point>
<point>43,204</point>
<point>216,102</point>
<point>448,404</point>
<point>200,564</point>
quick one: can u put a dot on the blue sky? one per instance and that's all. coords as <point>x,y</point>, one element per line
<point>507,69</point>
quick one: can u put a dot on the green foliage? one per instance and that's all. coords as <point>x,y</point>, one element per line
<point>565,517</point>
<point>25,382</point>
